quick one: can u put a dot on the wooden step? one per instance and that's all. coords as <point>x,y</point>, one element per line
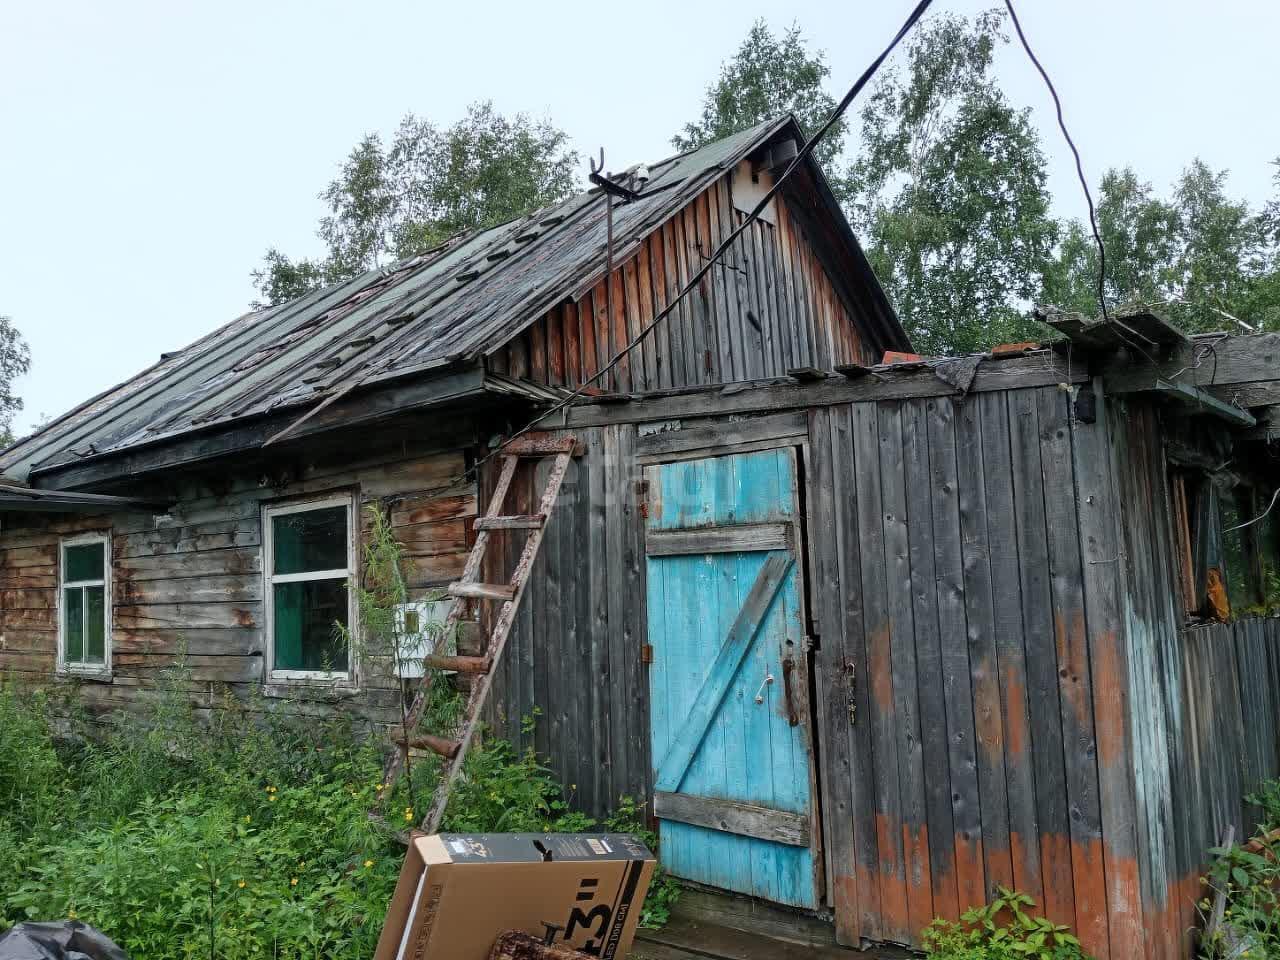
<point>438,745</point>
<point>533,521</point>
<point>541,445</point>
<point>482,591</point>
<point>459,664</point>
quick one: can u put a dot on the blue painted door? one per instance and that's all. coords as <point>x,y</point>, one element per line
<point>728,679</point>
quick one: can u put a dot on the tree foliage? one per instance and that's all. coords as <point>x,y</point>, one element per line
<point>391,202</point>
<point>15,360</point>
<point>1203,257</point>
<point>949,191</point>
<point>767,77</point>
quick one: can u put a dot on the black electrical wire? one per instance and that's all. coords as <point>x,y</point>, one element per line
<point>1062,125</point>
<point>724,245</point>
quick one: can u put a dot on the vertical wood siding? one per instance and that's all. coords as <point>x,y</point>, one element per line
<point>573,657</point>
<point>960,664</point>
<point>766,308</point>
<point>195,584</point>
<point>1205,701</point>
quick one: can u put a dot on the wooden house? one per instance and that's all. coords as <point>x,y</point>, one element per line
<point>868,639</point>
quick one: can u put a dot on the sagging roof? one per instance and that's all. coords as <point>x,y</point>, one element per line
<point>455,303</point>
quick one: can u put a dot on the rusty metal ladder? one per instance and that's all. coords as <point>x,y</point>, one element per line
<point>466,589</point>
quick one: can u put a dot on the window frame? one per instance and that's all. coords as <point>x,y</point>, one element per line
<point>98,670</point>
<point>269,579</point>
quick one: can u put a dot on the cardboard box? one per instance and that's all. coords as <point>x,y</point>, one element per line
<point>458,892</point>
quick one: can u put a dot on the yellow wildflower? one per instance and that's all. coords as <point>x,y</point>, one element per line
<point>271,798</point>
<point>381,786</point>
<point>293,882</point>
<point>368,864</point>
<point>241,884</point>
<point>248,819</point>
<point>71,914</point>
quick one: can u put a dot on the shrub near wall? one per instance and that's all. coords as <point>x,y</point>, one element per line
<point>247,839</point>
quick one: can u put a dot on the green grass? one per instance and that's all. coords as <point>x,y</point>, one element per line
<point>239,840</point>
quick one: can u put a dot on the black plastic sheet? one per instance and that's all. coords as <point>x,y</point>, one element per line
<point>71,940</point>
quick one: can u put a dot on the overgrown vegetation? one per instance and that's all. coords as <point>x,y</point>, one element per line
<point>247,837</point>
<point>1245,884</point>
<point>1004,929</point>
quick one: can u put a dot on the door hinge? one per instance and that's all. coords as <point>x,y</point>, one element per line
<point>646,653</point>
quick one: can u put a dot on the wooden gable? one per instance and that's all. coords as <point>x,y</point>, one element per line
<point>772,304</point>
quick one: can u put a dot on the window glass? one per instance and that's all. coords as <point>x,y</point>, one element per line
<point>307,584</point>
<point>73,624</point>
<point>1235,557</point>
<point>1269,547</point>
<point>84,561</point>
<point>308,615</point>
<point>85,605</point>
<point>95,625</point>
<point>310,540</point>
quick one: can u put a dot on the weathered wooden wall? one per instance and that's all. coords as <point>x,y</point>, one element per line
<point>574,653</point>
<point>195,579</point>
<point>1206,699</point>
<point>770,307</point>
<point>973,732</point>
<point>970,668</point>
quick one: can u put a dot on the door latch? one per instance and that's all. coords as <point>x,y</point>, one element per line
<point>788,668</point>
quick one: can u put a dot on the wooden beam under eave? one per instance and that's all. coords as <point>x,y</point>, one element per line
<point>1249,361</point>
<point>1196,400</point>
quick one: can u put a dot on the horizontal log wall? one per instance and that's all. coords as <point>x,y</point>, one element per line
<point>194,582</point>
<point>972,735</point>
<point>767,308</point>
<point>1206,700</point>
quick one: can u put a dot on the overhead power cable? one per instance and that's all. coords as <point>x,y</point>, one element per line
<point>1084,183</point>
<point>710,261</point>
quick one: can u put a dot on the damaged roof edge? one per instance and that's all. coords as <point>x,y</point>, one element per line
<point>367,407</point>
<point>16,498</point>
<point>303,357</point>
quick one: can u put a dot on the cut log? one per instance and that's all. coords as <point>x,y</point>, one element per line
<point>458,664</point>
<point>424,741</point>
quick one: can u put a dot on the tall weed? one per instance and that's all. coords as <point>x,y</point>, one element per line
<point>245,837</point>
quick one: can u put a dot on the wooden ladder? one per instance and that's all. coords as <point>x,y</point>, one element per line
<point>468,588</point>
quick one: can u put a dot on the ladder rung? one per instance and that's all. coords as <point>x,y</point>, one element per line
<point>533,521</point>
<point>534,445</point>
<point>482,591</point>
<point>460,664</point>
<point>425,741</point>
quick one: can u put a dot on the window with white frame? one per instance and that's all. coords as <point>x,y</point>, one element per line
<point>84,608</point>
<point>308,565</point>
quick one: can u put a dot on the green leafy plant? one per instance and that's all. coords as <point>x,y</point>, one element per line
<point>1004,929</point>
<point>1245,882</point>
<point>243,837</point>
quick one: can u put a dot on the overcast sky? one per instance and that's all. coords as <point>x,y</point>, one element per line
<point>150,152</point>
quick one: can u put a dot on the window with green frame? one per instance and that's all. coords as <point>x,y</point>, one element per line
<point>309,560</point>
<point>84,626</point>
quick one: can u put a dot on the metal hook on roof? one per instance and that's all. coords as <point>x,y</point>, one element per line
<point>596,171</point>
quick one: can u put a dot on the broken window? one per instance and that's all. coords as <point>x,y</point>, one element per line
<point>84,616</point>
<point>309,562</point>
<point>1228,559</point>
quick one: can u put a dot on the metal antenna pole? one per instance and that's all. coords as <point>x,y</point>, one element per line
<point>609,188</point>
